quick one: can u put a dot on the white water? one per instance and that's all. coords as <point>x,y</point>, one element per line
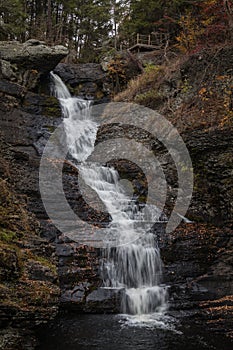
<point>80,129</point>
<point>135,263</point>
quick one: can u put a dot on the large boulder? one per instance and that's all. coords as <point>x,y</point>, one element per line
<point>26,63</point>
<point>74,74</point>
<point>32,54</point>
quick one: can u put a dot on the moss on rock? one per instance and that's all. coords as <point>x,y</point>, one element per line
<point>28,276</point>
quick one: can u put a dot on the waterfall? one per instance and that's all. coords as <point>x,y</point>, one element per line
<point>134,264</point>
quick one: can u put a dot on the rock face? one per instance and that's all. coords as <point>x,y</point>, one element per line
<point>27,121</point>
<point>85,80</point>
<point>27,62</point>
<point>29,290</point>
<point>78,268</point>
<point>198,269</point>
<point>212,156</point>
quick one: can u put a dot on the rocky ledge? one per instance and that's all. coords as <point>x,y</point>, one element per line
<point>26,63</point>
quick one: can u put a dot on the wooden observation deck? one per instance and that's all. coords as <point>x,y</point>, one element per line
<point>154,41</point>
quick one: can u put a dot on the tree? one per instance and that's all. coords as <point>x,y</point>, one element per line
<point>12,19</point>
<point>208,22</point>
<point>146,16</point>
<point>86,25</point>
<point>228,6</point>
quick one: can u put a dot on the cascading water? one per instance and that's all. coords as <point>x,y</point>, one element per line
<point>79,128</point>
<point>134,264</point>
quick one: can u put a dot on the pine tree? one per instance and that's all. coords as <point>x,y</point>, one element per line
<point>12,19</point>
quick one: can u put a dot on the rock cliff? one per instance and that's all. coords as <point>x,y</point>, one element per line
<point>194,92</point>
<point>28,265</point>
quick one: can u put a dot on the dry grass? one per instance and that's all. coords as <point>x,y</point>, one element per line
<point>144,82</point>
<point>193,102</point>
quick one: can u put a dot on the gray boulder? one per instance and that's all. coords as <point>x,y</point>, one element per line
<point>26,63</point>
<point>32,54</point>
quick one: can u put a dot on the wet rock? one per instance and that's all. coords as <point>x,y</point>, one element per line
<point>104,300</point>
<point>73,296</point>
<point>197,266</point>
<point>12,89</point>
<point>198,271</point>
<point>64,250</point>
<point>76,296</point>
<point>37,271</point>
<point>211,154</point>
<point>74,74</point>
<point>78,268</point>
<point>86,80</point>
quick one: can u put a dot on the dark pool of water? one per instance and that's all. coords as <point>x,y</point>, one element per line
<point>109,332</point>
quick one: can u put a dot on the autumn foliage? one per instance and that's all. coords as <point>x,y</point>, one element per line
<point>208,22</point>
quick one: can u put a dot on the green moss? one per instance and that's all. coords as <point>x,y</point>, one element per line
<point>45,262</point>
<point>142,199</point>
<point>76,90</point>
<point>52,112</point>
<point>50,128</point>
<point>152,99</point>
<point>51,107</point>
<point>7,235</point>
<point>18,289</point>
<point>151,68</point>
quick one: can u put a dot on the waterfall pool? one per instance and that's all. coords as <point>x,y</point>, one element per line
<point>112,332</point>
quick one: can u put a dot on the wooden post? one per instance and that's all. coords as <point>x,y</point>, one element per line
<point>149,40</point>
<point>138,38</point>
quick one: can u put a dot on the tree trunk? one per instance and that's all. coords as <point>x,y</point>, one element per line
<point>228,5</point>
<point>49,23</point>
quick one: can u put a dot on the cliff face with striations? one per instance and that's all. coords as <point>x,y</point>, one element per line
<point>29,288</point>
<point>195,94</point>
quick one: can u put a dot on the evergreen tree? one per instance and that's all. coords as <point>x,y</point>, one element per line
<point>147,16</point>
<point>86,25</point>
<point>12,19</point>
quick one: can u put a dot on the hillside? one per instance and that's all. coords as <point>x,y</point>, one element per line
<point>194,91</point>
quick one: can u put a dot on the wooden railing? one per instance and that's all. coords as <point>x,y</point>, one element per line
<point>156,40</point>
